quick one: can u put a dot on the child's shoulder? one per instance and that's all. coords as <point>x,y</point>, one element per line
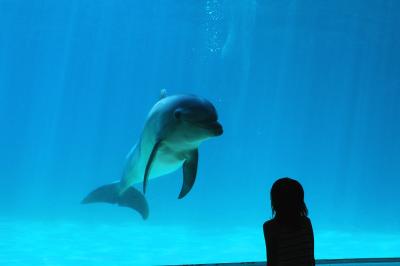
<point>269,223</point>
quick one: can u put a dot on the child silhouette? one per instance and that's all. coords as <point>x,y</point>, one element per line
<point>289,237</point>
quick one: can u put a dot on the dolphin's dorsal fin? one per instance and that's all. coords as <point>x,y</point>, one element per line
<point>163,94</point>
<point>189,173</point>
<point>149,164</point>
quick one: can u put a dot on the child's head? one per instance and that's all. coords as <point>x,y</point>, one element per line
<point>287,199</point>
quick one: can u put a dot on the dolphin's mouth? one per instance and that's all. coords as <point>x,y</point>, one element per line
<point>215,127</point>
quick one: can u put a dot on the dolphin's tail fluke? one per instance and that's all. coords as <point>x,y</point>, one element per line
<point>131,198</point>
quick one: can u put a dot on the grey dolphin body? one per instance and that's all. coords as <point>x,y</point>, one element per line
<point>174,129</point>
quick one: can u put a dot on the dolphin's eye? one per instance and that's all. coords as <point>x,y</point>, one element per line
<point>177,114</point>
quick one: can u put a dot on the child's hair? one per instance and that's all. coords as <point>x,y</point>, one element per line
<point>287,199</point>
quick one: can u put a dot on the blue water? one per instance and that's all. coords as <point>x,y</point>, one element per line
<point>307,89</point>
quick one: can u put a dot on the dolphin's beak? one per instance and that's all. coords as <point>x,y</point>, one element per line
<point>217,128</point>
<point>214,128</point>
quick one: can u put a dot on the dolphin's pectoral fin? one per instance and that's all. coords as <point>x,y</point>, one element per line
<point>149,164</point>
<point>189,173</point>
<point>131,198</point>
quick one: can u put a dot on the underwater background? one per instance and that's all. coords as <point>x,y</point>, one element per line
<point>306,89</point>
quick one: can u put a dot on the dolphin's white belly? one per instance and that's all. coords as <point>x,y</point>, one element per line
<point>166,161</point>
<point>162,167</point>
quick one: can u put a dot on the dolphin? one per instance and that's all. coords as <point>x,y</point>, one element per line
<point>175,127</point>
